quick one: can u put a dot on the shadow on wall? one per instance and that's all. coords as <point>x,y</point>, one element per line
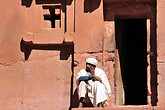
<point>28,3</point>
<point>91,5</point>
<point>153,61</point>
<point>66,49</point>
<point>68,2</point>
<point>75,100</point>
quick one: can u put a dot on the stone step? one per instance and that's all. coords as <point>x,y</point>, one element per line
<point>143,107</point>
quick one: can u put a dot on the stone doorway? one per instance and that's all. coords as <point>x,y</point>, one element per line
<point>131,46</point>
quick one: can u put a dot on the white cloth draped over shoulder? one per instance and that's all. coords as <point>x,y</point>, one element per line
<point>98,92</point>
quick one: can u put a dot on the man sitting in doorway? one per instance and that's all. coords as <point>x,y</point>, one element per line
<point>94,84</point>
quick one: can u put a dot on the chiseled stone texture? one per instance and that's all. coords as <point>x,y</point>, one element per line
<point>11,58</point>
<point>88,26</point>
<point>159,108</point>
<point>11,84</point>
<point>47,83</point>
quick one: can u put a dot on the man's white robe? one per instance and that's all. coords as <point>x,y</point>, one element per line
<point>97,92</point>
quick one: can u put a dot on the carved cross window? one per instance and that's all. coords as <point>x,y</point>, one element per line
<point>53,14</point>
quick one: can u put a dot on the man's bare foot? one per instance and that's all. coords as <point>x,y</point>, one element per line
<point>81,102</point>
<point>80,105</point>
<point>100,105</point>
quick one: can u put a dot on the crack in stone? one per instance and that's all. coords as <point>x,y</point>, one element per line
<point>43,58</point>
<point>89,52</point>
<point>11,64</point>
<point>94,52</point>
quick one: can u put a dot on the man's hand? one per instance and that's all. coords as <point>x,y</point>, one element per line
<point>96,77</point>
<point>92,71</point>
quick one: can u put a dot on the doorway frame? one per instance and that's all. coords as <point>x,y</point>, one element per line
<point>118,84</point>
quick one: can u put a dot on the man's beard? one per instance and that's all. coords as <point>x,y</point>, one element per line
<point>88,69</point>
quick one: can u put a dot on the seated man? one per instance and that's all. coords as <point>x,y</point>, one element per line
<point>94,83</point>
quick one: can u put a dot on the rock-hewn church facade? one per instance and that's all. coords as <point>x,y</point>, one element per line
<point>44,44</point>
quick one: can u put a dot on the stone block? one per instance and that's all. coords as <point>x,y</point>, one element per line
<point>69,37</point>
<point>48,38</point>
<point>11,84</point>
<point>109,36</point>
<point>159,107</point>
<point>89,26</point>
<point>46,82</point>
<point>119,108</point>
<point>29,36</point>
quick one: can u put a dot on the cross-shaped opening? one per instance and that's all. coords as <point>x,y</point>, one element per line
<point>54,15</point>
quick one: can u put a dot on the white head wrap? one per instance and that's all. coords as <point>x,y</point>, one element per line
<point>92,61</point>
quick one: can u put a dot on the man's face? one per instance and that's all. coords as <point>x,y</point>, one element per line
<point>89,67</point>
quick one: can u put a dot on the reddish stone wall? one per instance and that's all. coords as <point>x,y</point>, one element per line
<point>47,81</point>
<point>11,58</point>
<point>160,50</point>
<point>39,64</point>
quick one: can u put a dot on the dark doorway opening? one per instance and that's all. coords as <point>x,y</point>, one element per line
<point>131,42</point>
